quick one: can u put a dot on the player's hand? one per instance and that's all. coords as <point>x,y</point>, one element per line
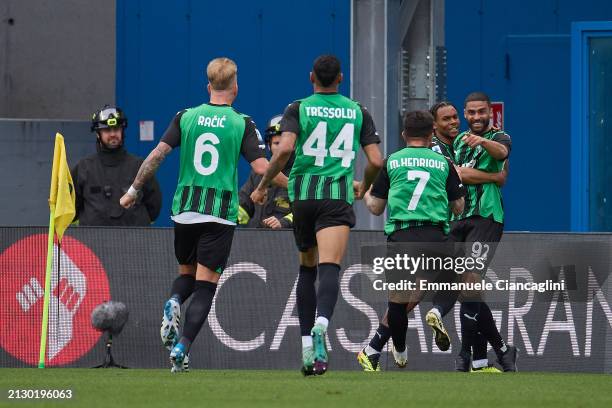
<point>272,222</point>
<point>473,140</point>
<point>259,196</point>
<point>127,200</point>
<point>358,190</point>
<point>502,176</point>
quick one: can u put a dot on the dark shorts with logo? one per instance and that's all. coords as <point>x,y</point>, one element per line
<point>311,216</point>
<point>420,241</point>
<point>477,237</point>
<point>207,243</point>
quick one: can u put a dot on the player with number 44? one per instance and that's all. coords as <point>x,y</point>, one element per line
<point>326,130</point>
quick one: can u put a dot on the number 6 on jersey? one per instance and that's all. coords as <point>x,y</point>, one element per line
<point>201,147</point>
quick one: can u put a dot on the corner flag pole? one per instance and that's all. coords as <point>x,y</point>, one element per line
<point>45,317</point>
<point>61,213</point>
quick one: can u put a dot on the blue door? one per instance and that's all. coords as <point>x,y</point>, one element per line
<point>591,126</point>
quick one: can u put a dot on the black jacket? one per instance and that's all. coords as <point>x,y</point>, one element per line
<point>276,205</point>
<point>101,179</point>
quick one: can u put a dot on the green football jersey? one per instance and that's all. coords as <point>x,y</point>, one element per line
<point>437,145</point>
<point>326,147</point>
<point>417,192</point>
<point>484,200</point>
<point>211,138</point>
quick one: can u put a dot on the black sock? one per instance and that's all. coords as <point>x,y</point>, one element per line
<point>306,297</point>
<point>469,325</point>
<point>479,346</point>
<point>198,309</point>
<point>329,285</point>
<point>444,300</point>
<point>381,337</point>
<point>398,324</point>
<point>487,327</point>
<point>182,287</point>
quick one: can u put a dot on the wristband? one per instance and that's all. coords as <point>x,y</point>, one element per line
<point>132,192</point>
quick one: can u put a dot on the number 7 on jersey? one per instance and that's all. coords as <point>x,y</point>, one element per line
<point>423,178</point>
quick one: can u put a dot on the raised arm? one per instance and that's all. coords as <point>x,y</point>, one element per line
<point>147,169</point>
<point>495,147</point>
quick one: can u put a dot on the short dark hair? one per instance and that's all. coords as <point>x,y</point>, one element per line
<point>434,109</point>
<point>326,68</point>
<point>477,96</point>
<point>418,124</point>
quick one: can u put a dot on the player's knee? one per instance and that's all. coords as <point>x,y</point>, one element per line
<point>309,257</point>
<point>187,270</point>
<point>206,274</point>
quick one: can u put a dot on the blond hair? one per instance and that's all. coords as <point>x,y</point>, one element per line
<point>221,73</point>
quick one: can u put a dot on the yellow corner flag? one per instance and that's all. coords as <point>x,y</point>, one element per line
<point>62,211</point>
<point>61,194</point>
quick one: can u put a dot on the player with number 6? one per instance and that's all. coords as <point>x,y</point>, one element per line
<point>205,205</point>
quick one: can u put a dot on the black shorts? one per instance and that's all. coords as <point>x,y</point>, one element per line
<point>421,241</point>
<point>424,233</point>
<point>427,241</point>
<point>207,243</point>
<point>479,236</point>
<point>311,216</point>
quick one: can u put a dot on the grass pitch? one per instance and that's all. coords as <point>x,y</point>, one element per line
<point>237,388</point>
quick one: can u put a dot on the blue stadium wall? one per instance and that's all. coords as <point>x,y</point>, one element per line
<point>519,53</point>
<point>163,48</point>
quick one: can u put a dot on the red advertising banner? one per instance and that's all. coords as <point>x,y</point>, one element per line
<point>497,119</point>
<point>81,286</point>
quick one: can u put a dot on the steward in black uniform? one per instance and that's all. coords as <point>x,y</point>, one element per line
<point>102,178</point>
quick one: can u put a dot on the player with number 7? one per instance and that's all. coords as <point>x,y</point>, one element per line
<point>418,186</point>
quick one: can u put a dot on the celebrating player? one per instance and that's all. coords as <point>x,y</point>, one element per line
<point>446,128</point>
<point>419,186</point>
<point>205,206</point>
<point>325,129</point>
<point>480,226</point>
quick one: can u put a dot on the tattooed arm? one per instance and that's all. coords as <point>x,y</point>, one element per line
<point>147,169</point>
